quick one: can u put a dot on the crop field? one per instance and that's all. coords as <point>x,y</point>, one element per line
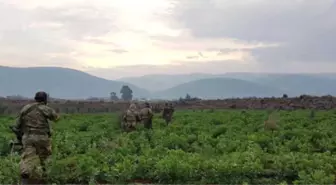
<point>201,147</point>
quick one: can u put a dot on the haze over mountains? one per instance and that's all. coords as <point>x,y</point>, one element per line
<point>73,84</point>
<point>59,82</point>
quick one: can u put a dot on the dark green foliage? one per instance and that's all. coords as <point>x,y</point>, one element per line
<point>221,147</point>
<point>126,93</point>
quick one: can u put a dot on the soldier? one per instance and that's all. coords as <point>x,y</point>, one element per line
<point>146,115</point>
<point>272,122</point>
<point>32,123</point>
<point>131,118</point>
<point>167,112</point>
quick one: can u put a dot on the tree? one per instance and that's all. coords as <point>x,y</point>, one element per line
<point>187,97</point>
<point>113,96</point>
<point>126,93</point>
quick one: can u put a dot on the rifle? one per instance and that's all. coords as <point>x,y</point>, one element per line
<point>17,133</point>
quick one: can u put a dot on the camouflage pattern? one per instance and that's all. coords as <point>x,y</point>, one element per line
<point>33,123</point>
<point>272,122</point>
<point>168,112</point>
<point>131,118</point>
<point>36,150</point>
<point>146,116</point>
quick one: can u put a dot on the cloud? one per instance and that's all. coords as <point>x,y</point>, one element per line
<point>80,21</point>
<point>25,41</point>
<point>82,33</point>
<point>215,67</point>
<point>118,51</point>
<point>304,29</point>
<point>169,35</point>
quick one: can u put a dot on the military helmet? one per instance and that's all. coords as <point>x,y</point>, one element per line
<point>147,104</point>
<point>132,106</point>
<point>41,96</point>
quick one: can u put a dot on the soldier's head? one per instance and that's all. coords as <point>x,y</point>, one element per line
<point>41,97</point>
<point>132,106</point>
<point>147,104</point>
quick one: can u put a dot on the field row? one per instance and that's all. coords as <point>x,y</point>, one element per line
<point>208,147</point>
<point>10,107</point>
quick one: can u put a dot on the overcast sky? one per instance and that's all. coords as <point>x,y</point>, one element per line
<point>116,38</point>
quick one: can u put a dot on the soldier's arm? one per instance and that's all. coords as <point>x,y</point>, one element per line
<point>50,113</point>
<point>164,112</point>
<point>124,116</point>
<point>138,118</point>
<point>18,123</point>
<point>150,112</point>
<point>140,114</point>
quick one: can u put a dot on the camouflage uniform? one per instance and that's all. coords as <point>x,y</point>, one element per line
<point>146,115</point>
<point>33,124</point>
<point>131,118</point>
<point>167,113</point>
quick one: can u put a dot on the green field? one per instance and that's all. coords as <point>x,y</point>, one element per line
<point>209,147</point>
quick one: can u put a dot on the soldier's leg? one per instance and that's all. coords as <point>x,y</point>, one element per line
<point>29,163</point>
<point>167,120</point>
<point>44,151</point>
<point>125,126</point>
<point>133,126</point>
<point>150,124</point>
<point>145,123</point>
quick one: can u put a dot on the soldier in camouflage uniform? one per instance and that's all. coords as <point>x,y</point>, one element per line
<point>131,118</point>
<point>33,124</point>
<point>168,112</point>
<point>146,115</point>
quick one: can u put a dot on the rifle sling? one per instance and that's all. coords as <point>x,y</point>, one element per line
<point>28,111</point>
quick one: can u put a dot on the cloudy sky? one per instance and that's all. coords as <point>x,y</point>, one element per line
<point>116,38</point>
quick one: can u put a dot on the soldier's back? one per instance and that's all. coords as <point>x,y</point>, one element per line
<point>145,111</point>
<point>36,119</point>
<point>131,115</point>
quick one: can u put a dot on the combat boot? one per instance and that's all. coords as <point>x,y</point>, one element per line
<point>24,181</point>
<point>28,181</point>
<point>31,181</point>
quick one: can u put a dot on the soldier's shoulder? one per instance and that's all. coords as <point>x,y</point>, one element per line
<point>26,107</point>
<point>44,107</point>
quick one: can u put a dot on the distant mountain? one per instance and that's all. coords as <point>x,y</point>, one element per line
<point>73,84</point>
<point>297,84</point>
<point>160,82</point>
<point>59,82</point>
<point>292,84</point>
<point>219,88</point>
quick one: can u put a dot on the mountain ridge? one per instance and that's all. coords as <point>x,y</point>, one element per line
<point>74,84</point>
<point>218,88</point>
<point>60,82</point>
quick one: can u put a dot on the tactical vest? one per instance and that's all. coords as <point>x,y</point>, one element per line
<point>145,114</point>
<point>34,121</point>
<point>130,116</point>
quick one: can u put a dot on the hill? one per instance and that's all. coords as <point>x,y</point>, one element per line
<point>160,82</point>
<point>72,84</point>
<point>297,84</point>
<point>292,84</point>
<point>214,88</point>
<point>59,82</point>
